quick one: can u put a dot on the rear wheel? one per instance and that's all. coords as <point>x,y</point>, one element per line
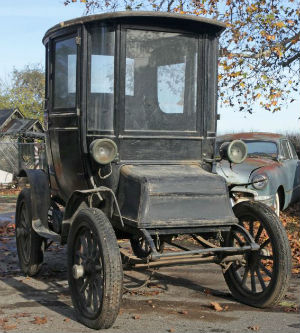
<point>262,278</point>
<point>94,269</point>
<point>30,246</point>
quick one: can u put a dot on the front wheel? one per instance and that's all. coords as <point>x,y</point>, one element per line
<point>262,277</point>
<point>94,269</point>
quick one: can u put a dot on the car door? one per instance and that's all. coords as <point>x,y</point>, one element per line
<point>67,169</point>
<point>295,165</point>
<point>289,169</point>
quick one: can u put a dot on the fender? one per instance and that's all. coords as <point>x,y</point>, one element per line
<point>40,193</point>
<point>79,200</point>
<point>40,201</point>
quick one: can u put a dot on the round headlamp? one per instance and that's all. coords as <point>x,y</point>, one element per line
<point>235,151</point>
<point>259,181</point>
<point>104,151</point>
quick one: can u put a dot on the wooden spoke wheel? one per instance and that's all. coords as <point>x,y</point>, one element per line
<point>94,269</point>
<point>262,277</point>
<point>30,246</point>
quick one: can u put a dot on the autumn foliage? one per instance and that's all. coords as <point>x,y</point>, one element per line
<point>260,50</point>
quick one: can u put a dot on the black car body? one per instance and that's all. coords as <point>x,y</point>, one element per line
<point>130,131</point>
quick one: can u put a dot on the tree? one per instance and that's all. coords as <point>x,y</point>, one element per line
<point>259,52</point>
<point>25,91</point>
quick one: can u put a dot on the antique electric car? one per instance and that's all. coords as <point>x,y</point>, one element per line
<point>131,122</point>
<point>270,173</point>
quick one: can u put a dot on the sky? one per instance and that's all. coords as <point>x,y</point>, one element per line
<point>23,24</point>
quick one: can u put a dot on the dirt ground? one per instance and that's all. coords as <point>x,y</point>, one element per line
<point>178,299</point>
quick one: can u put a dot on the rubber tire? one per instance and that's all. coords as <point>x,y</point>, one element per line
<point>37,245</point>
<point>96,220</point>
<point>282,258</point>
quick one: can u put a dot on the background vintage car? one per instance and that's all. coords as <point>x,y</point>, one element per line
<point>273,165</point>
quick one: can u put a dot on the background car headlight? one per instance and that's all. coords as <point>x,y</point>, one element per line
<point>259,181</point>
<point>104,151</point>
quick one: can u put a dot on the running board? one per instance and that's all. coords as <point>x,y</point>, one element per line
<point>44,232</point>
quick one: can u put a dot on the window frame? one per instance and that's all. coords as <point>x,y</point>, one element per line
<point>61,36</point>
<point>292,150</point>
<point>288,149</point>
<point>125,133</point>
<point>89,28</point>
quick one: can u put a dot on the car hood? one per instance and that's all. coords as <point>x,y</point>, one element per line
<point>241,173</point>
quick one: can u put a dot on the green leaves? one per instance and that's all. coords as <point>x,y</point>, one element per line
<point>25,92</point>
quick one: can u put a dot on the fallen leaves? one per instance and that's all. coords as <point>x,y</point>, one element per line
<point>39,320</point>
<point>291,221</point>
<point>9,327</point>
<point>216,306</point>
<point>184,312</point>
<point>7,229</point>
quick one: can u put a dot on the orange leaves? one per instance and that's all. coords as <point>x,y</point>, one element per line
<point>216,306</point>
<point>280,24</point>
<point>291,221</point>
<point>39,320</point>
<point>252,8</point>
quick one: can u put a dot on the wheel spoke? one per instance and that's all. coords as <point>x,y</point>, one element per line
<point>251,228</point>
<point>260,279</point>
<point>89,297</point>
<point>259,231</point>
<point>89,242</point>
<point>265,243</point>
<point>95,303</point>
<point>80,255</point>
<point>94,246</point>
<point>236,237</point>
<point>84,285</point>
<point>268,272</point>
<point>83,241</point>
<point>262,256</point>
<point>245,276</point>
<point>99,288</point>
<point>253,283</point>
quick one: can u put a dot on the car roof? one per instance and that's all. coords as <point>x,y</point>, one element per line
<point>182,20</point>
<point>251,136</point>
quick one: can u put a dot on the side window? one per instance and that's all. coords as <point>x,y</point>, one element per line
<point>293,151</point>
<point>65,61</point>
<point>100,99</point>
<point>285,149</point>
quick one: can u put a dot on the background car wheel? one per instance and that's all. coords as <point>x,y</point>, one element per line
<point>94,269</point>
<point>30,246</point>
<point>262,278</point>
<point>277,204</point>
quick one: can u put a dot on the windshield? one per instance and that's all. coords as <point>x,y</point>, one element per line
<point>161,81</point>
<point>256,148</point>
<point>261,148</point>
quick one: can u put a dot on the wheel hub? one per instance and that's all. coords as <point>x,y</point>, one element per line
<point>78,271</point>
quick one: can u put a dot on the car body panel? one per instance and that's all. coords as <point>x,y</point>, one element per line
<point>283,172</point>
